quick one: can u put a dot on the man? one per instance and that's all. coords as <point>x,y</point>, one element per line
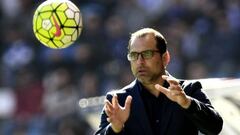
<point>156,103</point>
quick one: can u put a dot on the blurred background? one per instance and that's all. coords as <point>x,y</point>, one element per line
<point>61,92</point>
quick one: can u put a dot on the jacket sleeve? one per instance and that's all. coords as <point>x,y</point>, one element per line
<point>201,112</point>
<point>105,127</point>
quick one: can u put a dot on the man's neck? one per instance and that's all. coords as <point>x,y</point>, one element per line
<point>151,88</point>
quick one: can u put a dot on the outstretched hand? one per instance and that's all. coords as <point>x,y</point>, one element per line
<point>117,115</point>
<point>174,92</point>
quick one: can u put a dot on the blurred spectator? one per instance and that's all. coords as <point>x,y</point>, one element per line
<point>60,98</point>
<point>196,70</point>
<point>88,85</point>
<point>7,103</point>
<point>233,14</point>
<point>28,115</point>
<point>73,125</point>
<point>134,15</point>
<point>10,8</point>
<point>18,53</point>
<point>116,38</point>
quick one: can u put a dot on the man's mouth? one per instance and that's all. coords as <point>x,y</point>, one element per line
<point>141,72</point>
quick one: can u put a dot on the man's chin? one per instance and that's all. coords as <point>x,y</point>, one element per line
<point>144,80</point>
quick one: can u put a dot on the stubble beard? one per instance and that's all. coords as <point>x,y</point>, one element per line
<point>148,80</point>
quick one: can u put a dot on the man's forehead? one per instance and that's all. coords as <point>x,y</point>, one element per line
<point>148,36</point>
<point>147,41</point>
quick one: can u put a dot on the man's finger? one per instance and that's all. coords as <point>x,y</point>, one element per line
<point>107,111</point>
<point>175,87</point>
<point>175,92</point>
<point>170,80</point>
<point>162,89</point>
<point>108,105</point>
<point>128,103</point>
<point>115,101</point>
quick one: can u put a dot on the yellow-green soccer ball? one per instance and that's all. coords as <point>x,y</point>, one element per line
<point>57,23</point>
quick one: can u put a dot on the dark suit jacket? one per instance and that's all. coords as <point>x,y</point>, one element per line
<point>200,116</point>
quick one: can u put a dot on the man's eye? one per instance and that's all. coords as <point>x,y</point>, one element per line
<point>133,54</point>
<point>147,53</point>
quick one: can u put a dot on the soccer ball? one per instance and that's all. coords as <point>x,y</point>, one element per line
<point>57,23</point>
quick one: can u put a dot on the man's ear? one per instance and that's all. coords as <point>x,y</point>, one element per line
<point>166,58</point>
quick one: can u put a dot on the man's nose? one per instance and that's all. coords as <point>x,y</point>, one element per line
<point>140,59</point>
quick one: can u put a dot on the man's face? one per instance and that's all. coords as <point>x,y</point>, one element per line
<point>150,70</point>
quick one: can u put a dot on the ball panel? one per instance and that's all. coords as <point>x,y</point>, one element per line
<point>62,16</point>
<point>52,45</point>
<point>42,38</point>
<point>66,39</point>
<point>46,24</point>
<point>44,32</point>
<point>58,43</point>
<point>72,6</point>
<point>68,31</point>
<point>45,8</point>
<point>77,18</point>
<point>74,35</point>
<point>45,15</point>
<point>38,23</point>
<point>69,13</point>
<point>62,7</point>
<point>70,23</point>
<point>56,4</point>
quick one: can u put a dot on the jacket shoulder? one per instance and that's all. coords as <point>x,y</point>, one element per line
<point>123,90</point>
<point>191,86</point>
<point>191,83</point>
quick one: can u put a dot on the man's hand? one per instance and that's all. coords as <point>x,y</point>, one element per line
<point>117,115</point>
<point>174,92</point>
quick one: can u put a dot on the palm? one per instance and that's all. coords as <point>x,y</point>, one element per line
<point>120,114</point>
<point>117,115</point>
